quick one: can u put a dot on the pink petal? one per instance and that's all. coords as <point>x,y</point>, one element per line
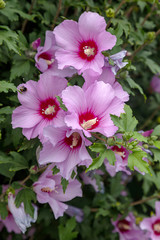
<point>58,208</point>
<point>69,29</point>
<point>90,25</point>
<point>25,118</point>
<point>106,41</point>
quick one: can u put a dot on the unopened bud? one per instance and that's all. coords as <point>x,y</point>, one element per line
<point>33,169</point>
<point>2,4</point>
<point>145,146</point>
<point>150,36</point>
<point>110,141</point>
<point>110,13</point>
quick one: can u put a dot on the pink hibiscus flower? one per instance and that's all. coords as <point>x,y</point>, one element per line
<point>39,106</point>
<point>49,190</point>
<point>65,148</point>
<point>128,230</point>
<point>83,42</point>
<point>45,58</point>
<point>152,224</point>
<point>90,110</point>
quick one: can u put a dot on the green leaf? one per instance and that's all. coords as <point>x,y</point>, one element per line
<point>110,156</point>
<point>156,131</point>
<point>6,110</point>
<point>134,85</point>
<point>156,144</point>
<point>26,196</point>
<point>98,147</point>
<point>10,38</point>
<point>3,210</point>
<point>18,162</point>
<point>64,184</point>
<point>126,122</point>
<point>20,68</point>
<point>139,137</point>
<point>156,153</point>
<point>153,66</point>
<point>61,103</point>
<point>6,86</point>
<point>28,144</point>
<point>136,160</point>
<point>55,170</point>
<point>66,232</point>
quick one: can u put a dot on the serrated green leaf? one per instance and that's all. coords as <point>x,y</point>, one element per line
<point>64,184</point>
<point>18,162</point>
<point>126,122</point>
<point>134,85</point>
<point>110,156</point>
<point>3,210</point>
<point>26,196</point>
<point>153,66</point>
<point>66,232</point>
<point>97,162</point>
<point>139,137</point>
<point>98,147</point>
<point>135,159</point>
<point>20,68</point>
<point>6,110</point>
<point>6,86</point>
<point>61,103</point>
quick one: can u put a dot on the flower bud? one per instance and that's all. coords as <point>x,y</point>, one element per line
<point>145,146</point>
<point>150,36</point>
<point>154,138</point>
<point>33,169</point>
<point>110,141</point>
<point>2,4</point>
<point>110,13</point>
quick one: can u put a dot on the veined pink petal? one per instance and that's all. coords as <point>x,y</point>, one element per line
<point>91,24</point>
<point>108,42</point>
<point>58,208</point>
<point>69,29</point>
<point>25,118</point>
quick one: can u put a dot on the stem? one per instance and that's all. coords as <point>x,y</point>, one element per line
<point>96,136</point>
<point>57,14</point>
<point>120,5</point>
<point>128,12</point>
<point>29,12</point>
<point>149,14</point>
<point>144,200</point>
<point>150,118</point>
<point>25,180</point>
<point>137,50</point>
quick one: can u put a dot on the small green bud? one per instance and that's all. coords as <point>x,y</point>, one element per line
<point>150,36</point>
<point>150,142</point>
<point>33,169</point>
<point>2,4</point>
<point>130,147</point>
<point>110,13</point>
<point>145,146</point>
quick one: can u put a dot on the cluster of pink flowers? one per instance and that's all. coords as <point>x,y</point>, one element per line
<point>72,48</point>
<point>148,229</point>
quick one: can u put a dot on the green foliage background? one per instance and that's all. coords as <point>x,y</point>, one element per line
<point>136,23</point>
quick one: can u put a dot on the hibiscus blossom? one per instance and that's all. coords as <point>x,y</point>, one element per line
<point>65,148</point>
<point>49,190</point>
<point>83,42</point>
<point>152,224</point>
<point>39,105</point>
<point>90,110</point>
<point>45,57</point>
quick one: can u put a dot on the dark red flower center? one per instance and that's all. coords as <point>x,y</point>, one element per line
<point>123,225</point>
<point>88,50</point>
<point>120,151</point>
<point>156,227</point>
<point>47,57</point>
<point>74,141</point>
<point>88,121</point>
<point>49,108</point>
